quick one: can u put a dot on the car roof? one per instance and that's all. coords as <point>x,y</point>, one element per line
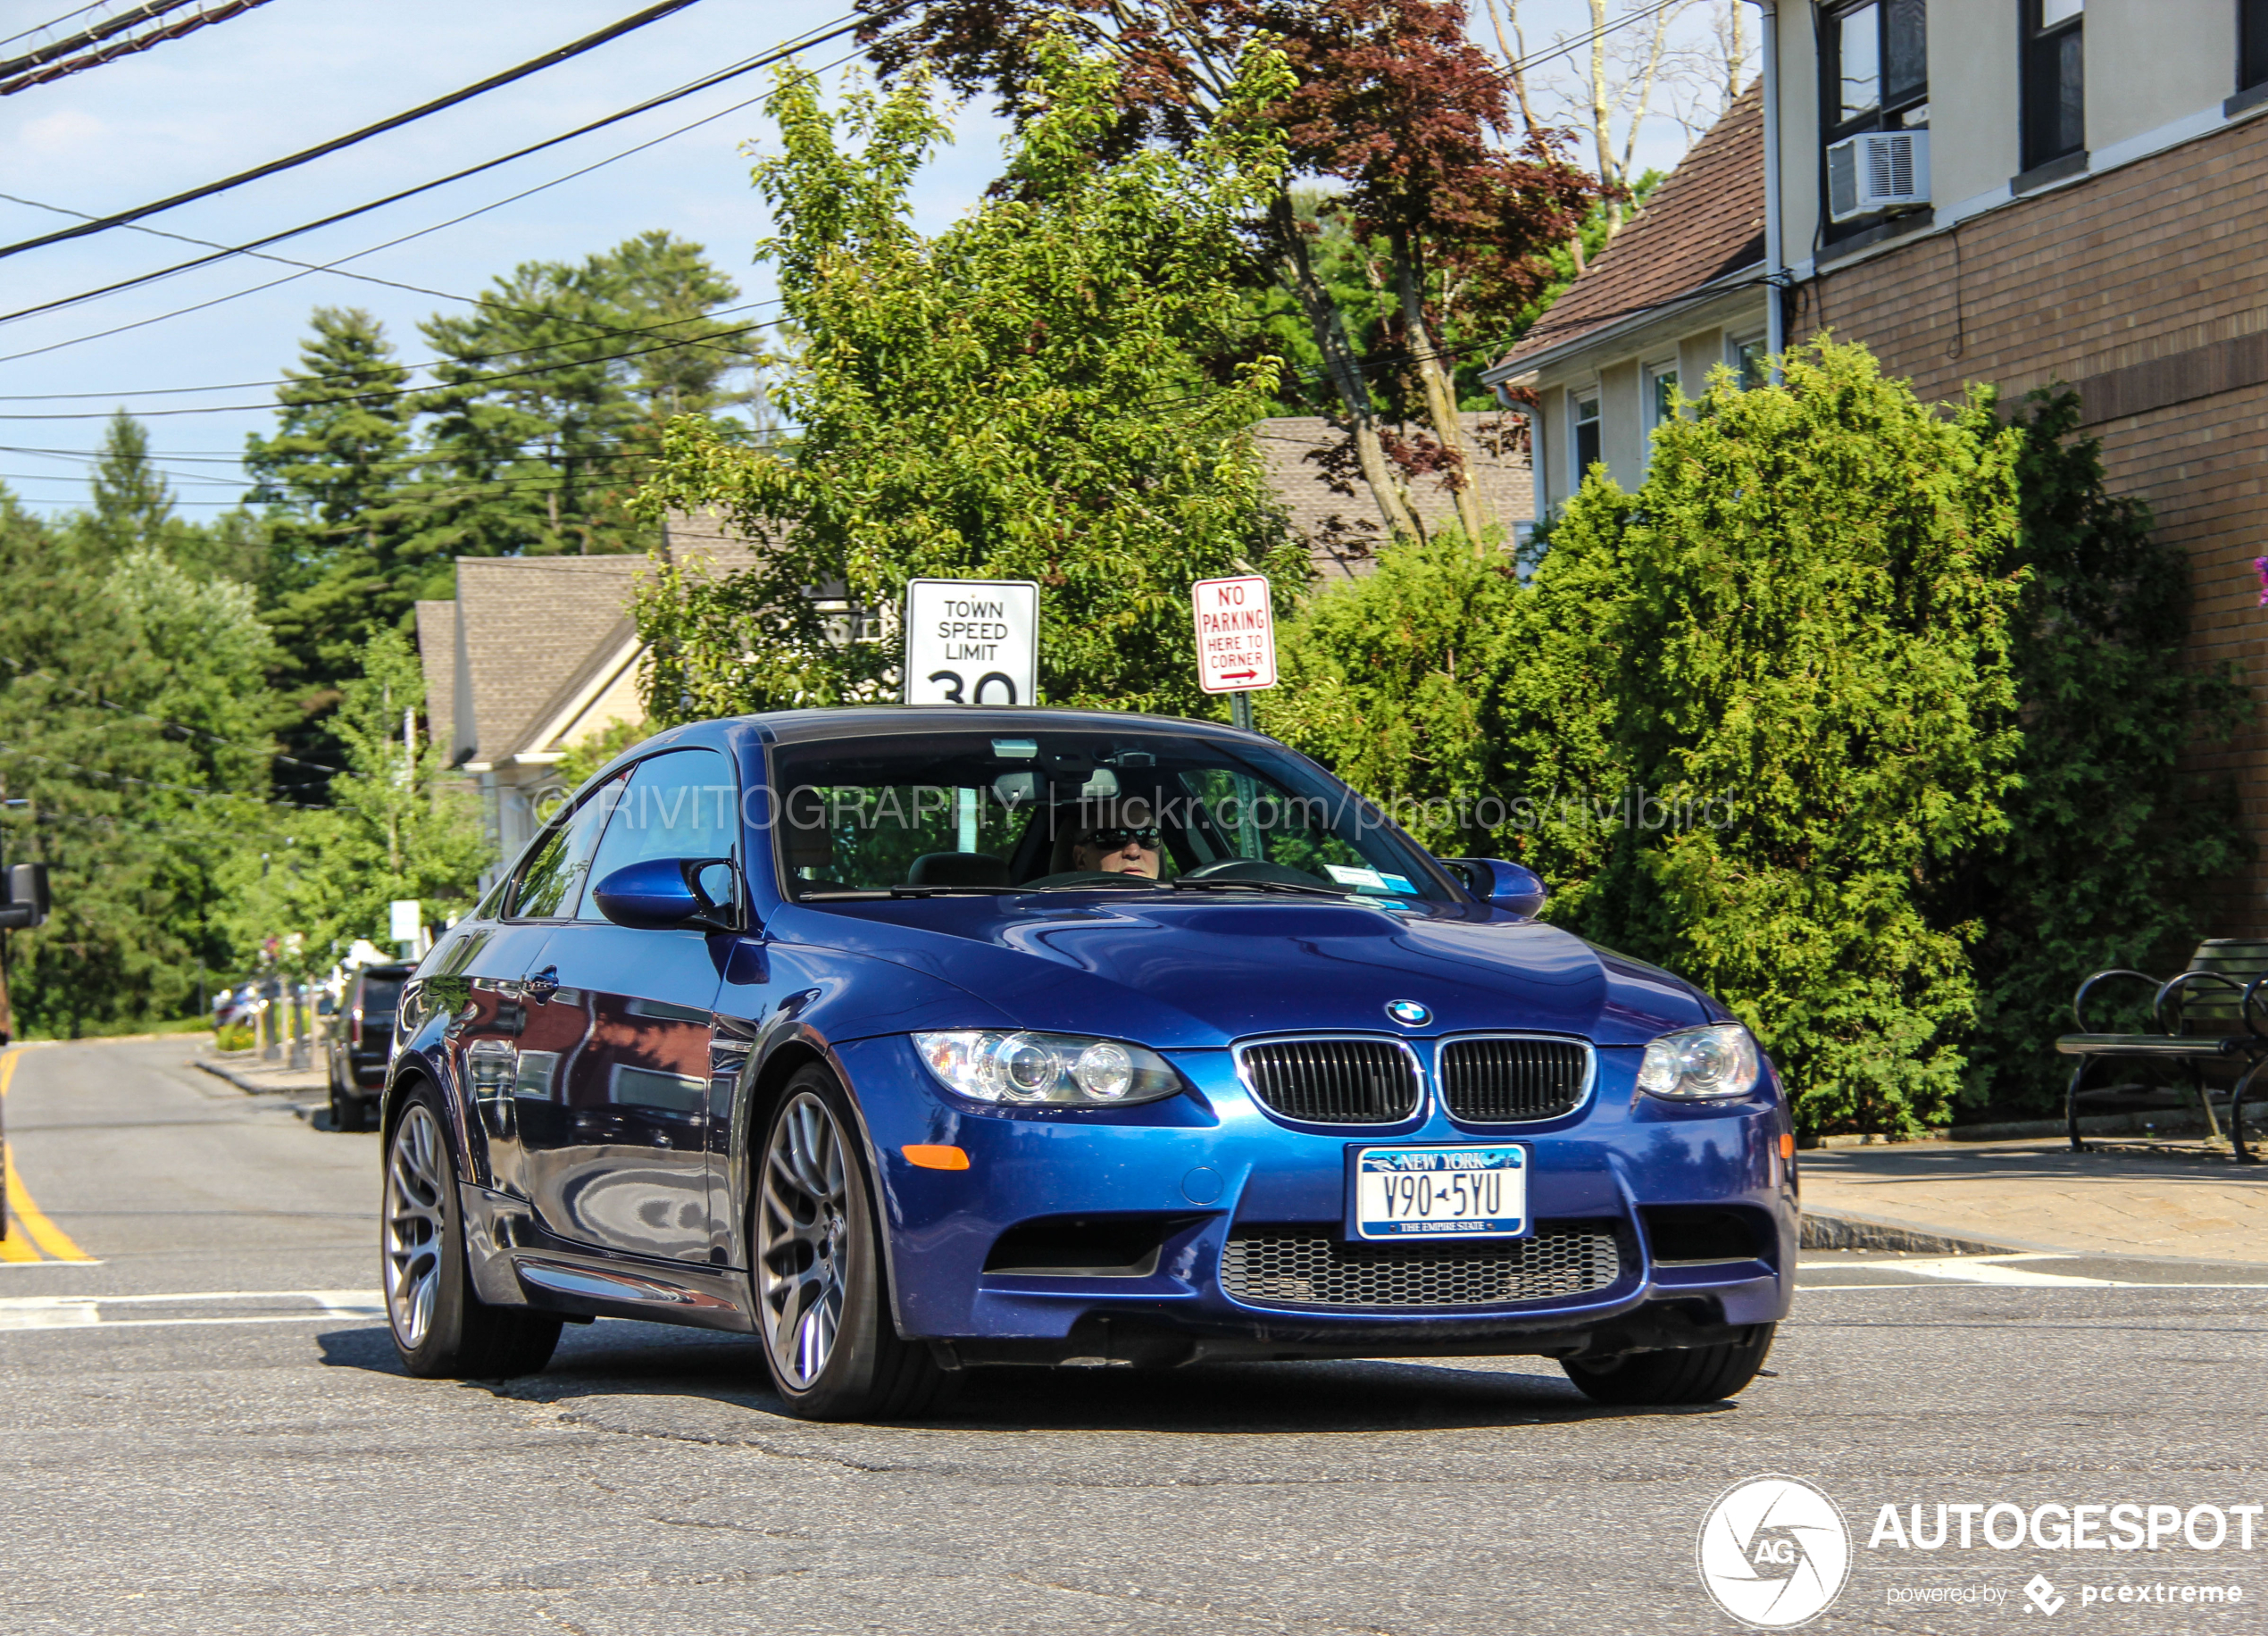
<point>803,726</point>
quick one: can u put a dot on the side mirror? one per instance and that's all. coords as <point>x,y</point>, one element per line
<point>671,893</point>
<point>28,903</point>
<point>1513,888</point>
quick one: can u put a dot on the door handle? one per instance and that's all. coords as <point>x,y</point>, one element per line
<point>543,984</point>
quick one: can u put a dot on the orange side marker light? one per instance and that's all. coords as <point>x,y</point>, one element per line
<point>934,1155</point>
<point>1786,1146</point>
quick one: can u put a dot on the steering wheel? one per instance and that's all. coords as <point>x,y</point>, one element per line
<point>1251,869</point>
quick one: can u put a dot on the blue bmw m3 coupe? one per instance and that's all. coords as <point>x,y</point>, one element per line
<point>922,1039</point>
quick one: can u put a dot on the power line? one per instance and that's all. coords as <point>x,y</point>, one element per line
<point>78,11</point>
<point>44,68</point>
<point>427,364</point>
<point>777,55</point>
<point>442,388</point>
<point>333,266</point>
<point>24,669</point>
<point>363,278</point>
<point>567,53</point>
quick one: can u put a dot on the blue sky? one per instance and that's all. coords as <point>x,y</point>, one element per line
<point>294,72</point>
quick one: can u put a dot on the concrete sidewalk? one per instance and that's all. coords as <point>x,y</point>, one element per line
<point>2161,1199</point>
<point>246,1071</point>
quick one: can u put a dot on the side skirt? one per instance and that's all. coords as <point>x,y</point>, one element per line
<point>515,1262</point>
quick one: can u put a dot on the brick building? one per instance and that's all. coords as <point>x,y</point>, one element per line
<point>2018,192</point>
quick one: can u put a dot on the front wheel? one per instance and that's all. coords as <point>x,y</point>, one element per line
<point>441,1328</point>
<point>1691,1374</point>
<point>821,1289</point>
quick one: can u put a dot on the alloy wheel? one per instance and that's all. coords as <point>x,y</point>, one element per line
<point>802,1238</point>
<point>417,1180</point>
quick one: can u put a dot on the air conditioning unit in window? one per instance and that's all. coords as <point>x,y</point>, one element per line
<point>1877,171</point>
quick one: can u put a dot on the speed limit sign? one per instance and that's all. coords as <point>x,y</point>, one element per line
<point>971,642</point>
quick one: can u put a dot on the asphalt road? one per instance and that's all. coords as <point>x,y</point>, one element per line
<point>202,1429</point>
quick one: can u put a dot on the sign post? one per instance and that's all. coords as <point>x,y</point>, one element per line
<point>971,642</point>
<point>1235,639</point>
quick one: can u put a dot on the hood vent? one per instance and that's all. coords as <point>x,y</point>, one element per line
<point>1333,1081</point>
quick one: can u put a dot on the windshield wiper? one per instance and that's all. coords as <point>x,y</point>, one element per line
<point>1184,884</point>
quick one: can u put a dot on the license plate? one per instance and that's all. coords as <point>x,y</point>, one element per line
<point>1440,1192</point>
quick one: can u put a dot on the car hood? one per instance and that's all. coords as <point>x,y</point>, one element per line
<point>1195,973</point>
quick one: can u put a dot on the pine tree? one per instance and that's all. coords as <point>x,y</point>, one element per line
<point>329,478</point>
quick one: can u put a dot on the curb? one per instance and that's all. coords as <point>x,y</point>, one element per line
<point>250,1087</point>
<point>1832,1229</point>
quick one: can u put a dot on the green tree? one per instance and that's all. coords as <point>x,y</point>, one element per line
<point>398,826</point>
<point>1782,670</point>
<point>133,501</point>
<point>133,719</point>
<point>329,478</point>
<point>551,399</point>
<point>1019,397</point>
<point>1386,680</point>
<point>2114,835</point>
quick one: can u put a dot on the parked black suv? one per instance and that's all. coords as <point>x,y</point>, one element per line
<point>360,1040</point>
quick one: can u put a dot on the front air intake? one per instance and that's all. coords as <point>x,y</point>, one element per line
<point>1333,1081</point>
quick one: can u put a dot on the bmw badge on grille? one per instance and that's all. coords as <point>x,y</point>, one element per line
<point>1409,1013</point>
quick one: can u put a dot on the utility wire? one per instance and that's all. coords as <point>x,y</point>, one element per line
<point>44,68</point>
<point>441,390</point>
<point>24,669</point>
<point>488,302</point>
<point>767,59</point>
<point>567,53</point>
<point>79,11</point>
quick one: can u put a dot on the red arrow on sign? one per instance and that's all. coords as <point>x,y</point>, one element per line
<point>1239,675</point>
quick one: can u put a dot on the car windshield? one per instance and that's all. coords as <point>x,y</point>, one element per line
<point>1130,810</point>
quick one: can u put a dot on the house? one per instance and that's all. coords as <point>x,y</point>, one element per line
<point>1680,290</point>
<point>2018,192</point>
<point>535,655</point>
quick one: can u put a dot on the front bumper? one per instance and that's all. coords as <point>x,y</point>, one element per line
<point>1184,1176</point>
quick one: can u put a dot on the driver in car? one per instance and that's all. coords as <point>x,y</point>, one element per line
<point>1116,838</point>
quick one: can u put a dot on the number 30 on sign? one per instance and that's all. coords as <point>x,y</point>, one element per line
<point>971,642</point>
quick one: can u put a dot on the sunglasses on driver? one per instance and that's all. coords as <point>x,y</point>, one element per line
<point>1112,840</point>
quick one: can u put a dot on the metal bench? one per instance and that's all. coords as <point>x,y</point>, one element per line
<point>2208,1020</point>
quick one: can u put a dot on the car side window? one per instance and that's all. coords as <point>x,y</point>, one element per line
<point>551,880</point>
<point>681,804</point>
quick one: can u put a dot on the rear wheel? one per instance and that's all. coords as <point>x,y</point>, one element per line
<point>441,1328</point>
<point>821,1289</point>
<point>1691,1374</point>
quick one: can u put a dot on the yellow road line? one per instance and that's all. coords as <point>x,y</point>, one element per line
<point>43,1232</point>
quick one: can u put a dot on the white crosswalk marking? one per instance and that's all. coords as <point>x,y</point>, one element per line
<point>48,1311</point>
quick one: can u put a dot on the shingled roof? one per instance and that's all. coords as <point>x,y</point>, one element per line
<point>1341,530</point>
<point>526,627</point>
<point>1706,222</point>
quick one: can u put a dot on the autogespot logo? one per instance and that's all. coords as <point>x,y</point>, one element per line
<point>1774,1552</point>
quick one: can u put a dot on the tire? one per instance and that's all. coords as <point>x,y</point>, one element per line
<point>440,1327</point>
<point>817,1270</point>
<point>347,1113</point>
<point>1689,1374</point>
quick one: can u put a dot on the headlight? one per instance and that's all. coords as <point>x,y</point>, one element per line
<point>1046,1070</point>
<point>1697,1063</point>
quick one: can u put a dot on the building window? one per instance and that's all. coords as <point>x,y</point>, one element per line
<point>1874,74</point>
<point>1661,393</point>
<point>2055,114</point>
<point>1583,411</point>
<point>1745,354</point>
<point>2252,44</point>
